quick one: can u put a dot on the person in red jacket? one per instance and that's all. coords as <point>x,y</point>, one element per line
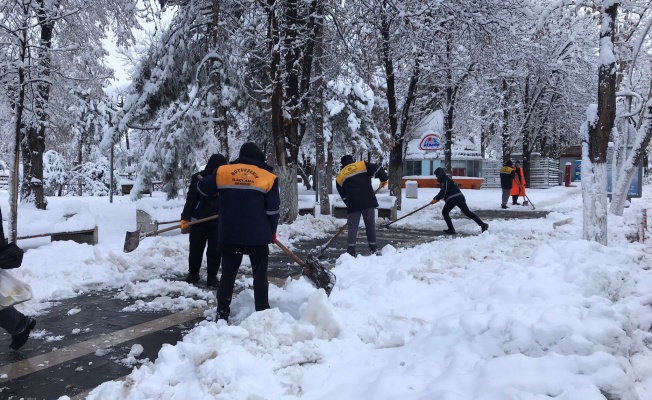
<point>249,213</point>
<point>518,184</point>
<point>204,235</point>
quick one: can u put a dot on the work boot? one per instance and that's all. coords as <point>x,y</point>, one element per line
<point>484,227</point>
<point>212,281</point>
<point>351,251</point>
<point>449,231</point>
<point>18,340</point>
<point>516,203</point>
<point>222,314</point>
<point>503,206</point>
<point>192,277</point>
<point>373,249</point>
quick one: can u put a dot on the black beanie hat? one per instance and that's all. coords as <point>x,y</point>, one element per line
<point>215,161</point>
<point>439,172</point>
<point>250,150</point>
<point>509,163</point>
<point>346,160</point>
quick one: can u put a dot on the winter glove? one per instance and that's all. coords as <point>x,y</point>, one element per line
<point>184,224</point>
<point>383,184</point>
<point>274,238</point>
<point>434,201</point>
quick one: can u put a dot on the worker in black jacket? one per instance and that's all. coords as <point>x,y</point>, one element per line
<point>249,205</point>
<point>353,183</point>
<point>203,235</point>
<point>453,197</point>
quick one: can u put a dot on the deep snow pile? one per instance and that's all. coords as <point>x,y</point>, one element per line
<point>523,311</point>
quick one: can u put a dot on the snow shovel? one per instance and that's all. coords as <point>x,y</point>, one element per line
<point>407,215</point>
<point>339,232</point>
<point>528,202</point>
<point>313,270</point>
<point>132,239</point>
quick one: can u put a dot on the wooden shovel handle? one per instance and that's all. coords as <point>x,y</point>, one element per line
<point>291,254</point>
<point>171,228</point>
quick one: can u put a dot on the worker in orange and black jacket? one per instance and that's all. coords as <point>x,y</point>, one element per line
<point>204,235</point>
<point>249,212</point>
<point>506,177</point>
<point>353,183</point>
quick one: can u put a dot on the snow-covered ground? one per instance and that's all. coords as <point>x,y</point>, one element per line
<point>523,311</point>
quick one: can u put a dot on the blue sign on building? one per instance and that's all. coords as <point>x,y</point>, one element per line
<point>577,176</point>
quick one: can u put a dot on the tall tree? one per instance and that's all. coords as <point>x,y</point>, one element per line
<point>597,131</point>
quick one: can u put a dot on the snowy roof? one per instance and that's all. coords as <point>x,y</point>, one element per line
<point>428,141</point>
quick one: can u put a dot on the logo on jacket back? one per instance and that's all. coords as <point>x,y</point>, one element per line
<point>431,141</point>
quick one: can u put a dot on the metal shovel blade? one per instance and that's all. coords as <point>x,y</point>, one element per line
<point>132,239</point>
<point>321,277</point>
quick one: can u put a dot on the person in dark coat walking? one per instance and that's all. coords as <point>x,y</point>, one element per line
<point>353,183</point>
<point>204,235</point>
<point>249,205</point>
<point>453,197</point>
<point>17,324</point>
<point>507,175</point>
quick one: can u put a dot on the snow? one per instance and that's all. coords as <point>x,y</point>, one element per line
<point>523,311</point>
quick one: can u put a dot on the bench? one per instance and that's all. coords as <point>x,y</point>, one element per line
<point>89,236</point>
<point>306,204</point>
<point>386,207</point>
<point>4,181</point>
<point>127,186</point>
<point>146,224</point>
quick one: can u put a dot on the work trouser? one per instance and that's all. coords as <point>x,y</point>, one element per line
<point>204,236</point>
<point>459,202</point>
<point>353,220</point>
<point>12,320</point>
<point>231,260</point>
<point>506,196</point>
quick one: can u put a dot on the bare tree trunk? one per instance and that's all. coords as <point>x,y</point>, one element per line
<point>34,143</point>
<point>620,187</point>
<point>220,126</point>
<point>324,178</point>
<point>507,149</point>
<point>396,152</point>
<point>598,131</point>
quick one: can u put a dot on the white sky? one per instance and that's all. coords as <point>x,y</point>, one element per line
<point>117,61</point>
<point>523,311</point>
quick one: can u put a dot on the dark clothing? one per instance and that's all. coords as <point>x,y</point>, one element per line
<point>204,237</point>
<point>353,220</point>
<point>250,200</point>
<point>461,203</point>
<point>250,203</point>
<point>230,264</point>
<point>448,189</point>
<point>453,197</point>
<point>506,177</point>
<point>353,183</point>
<point>198,206</point>
<point>13,321</point>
